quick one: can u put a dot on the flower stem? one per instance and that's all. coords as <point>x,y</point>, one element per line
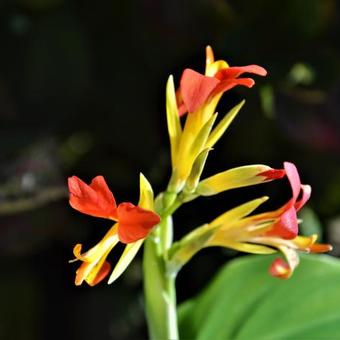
<point>159,285</point>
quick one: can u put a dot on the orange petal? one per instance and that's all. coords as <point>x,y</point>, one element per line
<point>95,199</point>
<point>134,223</point>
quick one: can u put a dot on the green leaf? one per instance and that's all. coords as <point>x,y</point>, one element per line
<point>244,302</point>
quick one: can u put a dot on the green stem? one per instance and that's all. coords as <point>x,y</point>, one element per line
<point>159,285</point>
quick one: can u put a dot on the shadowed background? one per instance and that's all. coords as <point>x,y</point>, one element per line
<point>82,88</point>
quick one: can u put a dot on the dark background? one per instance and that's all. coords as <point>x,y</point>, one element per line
<point>82,93</point>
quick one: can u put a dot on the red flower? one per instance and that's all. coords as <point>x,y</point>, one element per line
<point>196,89</point>
<point>287,225</point>
<point>96,199</point>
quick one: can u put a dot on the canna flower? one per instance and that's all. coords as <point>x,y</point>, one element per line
<point>133,224</point>
<point>264,233</point>
<point>197,89</point>
<point>199,95</point>
<point>268,232</point>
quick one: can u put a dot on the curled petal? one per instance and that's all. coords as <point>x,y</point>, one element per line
<point>236,71</point>
<point>95,199</point>
<point>306,192</point>
<point>294,179</point>
<point>135,223</point>
<point>284,270</point>
<point>280,269</point>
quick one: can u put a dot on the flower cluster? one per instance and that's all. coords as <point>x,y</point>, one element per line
<point>191,141</point>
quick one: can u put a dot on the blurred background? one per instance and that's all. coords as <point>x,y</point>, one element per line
<point>82,87</point>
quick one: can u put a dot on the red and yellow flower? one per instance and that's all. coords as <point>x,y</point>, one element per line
<point>268,232</point>
<point>133,224</point>
<point>199,95</point>
<point>264,233</point>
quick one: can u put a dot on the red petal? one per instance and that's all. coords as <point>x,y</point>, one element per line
<point>104,270</point>
<point>280,269</point>
<point>228,84</point>
<point>272,174</point>
<point>195,89</point>
<point>134,222</point>
<point>95,199</point>
<point>236,71</point>
<point>287,226</point>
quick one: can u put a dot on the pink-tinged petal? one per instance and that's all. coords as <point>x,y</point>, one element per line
<point>306,192</point>
<point>294,179</point>
<point>280,269</point>
<point>228,84</point>
<point>236,71</point>
<point>272,174</point>
<point>95,199</point>
<point>195,89</point>
<point>287,225</point>
<point>135,223</point>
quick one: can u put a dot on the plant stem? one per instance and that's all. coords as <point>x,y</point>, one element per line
<point>159,285</point>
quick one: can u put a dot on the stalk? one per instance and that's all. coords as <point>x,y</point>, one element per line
<point>159,284</point>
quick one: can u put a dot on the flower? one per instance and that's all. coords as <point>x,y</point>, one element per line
<point>199,95</point>
<point>134,223</point>
<point>264,233</point>
<point>197,89</point>
<point>268,232</point>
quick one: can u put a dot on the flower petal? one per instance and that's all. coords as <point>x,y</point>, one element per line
<point>222,126</point>
<point>280,269</point>
<point>236,71</point>
<point>128,255</point>
<point>239,212</point>
<point>135,223</point>
<point>195,89</point>
<point>306,192</point>
<point>235,178</point>
<point>91,270</point>
<point>228,84</point>
<point>294,179</point>
<point>287,225</point>
<point>174,126</point>
<point>95,199</point>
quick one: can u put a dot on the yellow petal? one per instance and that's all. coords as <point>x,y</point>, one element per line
<point>240,246</point>
<point>213,68</point>
<point>209,59</point>
<point>238,212</point>
<point>218,131</point>
<point>174,125</point>
<point>110,238</point>
<point>146,194</point>
<point>196,171</point>
<point>128,255</point>
<point>233,178</point>
<point>190,151</point>
<point>95,257</point>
